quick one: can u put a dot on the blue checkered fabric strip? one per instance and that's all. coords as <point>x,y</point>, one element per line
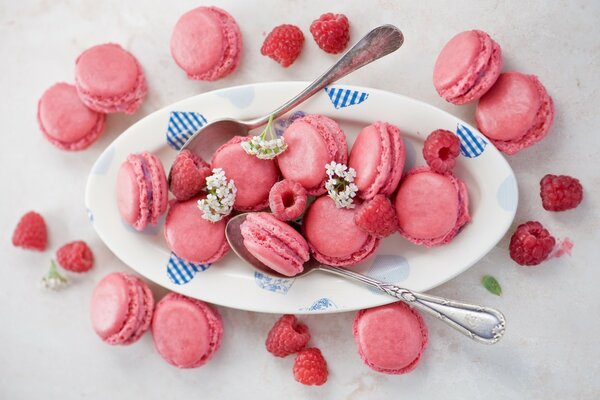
<point>471,145</point>
<point>341,97</point>
<point>180,271</point>
<point>182,125</point>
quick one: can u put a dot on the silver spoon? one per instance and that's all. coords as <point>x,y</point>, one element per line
<point>482,324</point>
<point>379,42</point>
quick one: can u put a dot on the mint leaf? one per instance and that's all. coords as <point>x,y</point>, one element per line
<point>491,284</point>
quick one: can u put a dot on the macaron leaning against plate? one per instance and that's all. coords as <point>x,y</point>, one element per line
<point>313,141</point>
<point>252,176</point>
<point>192,237</point>
<point>206,43</point>
<point>378,158</point>
<point>333,236</point>
<point>186,332</point>
<point>391,338</point>
<point>516,113</point>
<point>109,79</point>
<point>467,67</point>
<point>121,308</point>
<point>142,192</point>
<point>275,243</point>
<point>431,207</point>
<point>65,121</point>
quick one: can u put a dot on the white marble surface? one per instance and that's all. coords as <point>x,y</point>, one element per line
<point>47,347</point>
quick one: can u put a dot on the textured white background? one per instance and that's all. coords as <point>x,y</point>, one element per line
<point>551,348</point>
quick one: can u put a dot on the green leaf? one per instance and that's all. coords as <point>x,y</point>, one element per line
<point>491,284</point>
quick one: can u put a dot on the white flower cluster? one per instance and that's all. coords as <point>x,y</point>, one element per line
<point>340,185</point>
<point>221,196</point>
<point>53,280</point>
<point>264,149</point>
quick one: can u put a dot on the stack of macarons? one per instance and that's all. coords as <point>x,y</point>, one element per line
<point>108,79</point>
<point>514,109</point>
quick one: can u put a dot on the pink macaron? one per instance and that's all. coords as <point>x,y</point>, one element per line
<point>333,236</point>
<point>109,79</point>
<point>65,121</point>
<point>467,67</point>
<point>186,332</point>
<point>516,113</point>
<point>206,43</point>
<point>253,177</point>
<point>192,237</point>
<point>313,141</point>
<point>431,207</point>
<point>275,243</point>
<point>142,192</point>
<point>391,338</point>
<point>378,157</point>
<point>121,308</point>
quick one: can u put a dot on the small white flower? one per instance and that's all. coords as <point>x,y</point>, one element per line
<point>265,148</point>
<point>53,280</point>
<point>221,196</point>
<point>340,185</point>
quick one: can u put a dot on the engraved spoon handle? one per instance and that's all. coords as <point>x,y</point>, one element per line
<point>380,42</point>
<point>482,324</point>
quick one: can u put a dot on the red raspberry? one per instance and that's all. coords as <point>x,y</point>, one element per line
<point>283,44</point>
<point>188,175</point>
<point>31,232</point>
<point>75,256</point>
<point>310,368</point>
<point>331,32</point>
<point>531,244</point>
<point>287,200</point>
<point>440,150</point>
<point>287,336</point>
<point>560,193</point>
<point>377,217</point>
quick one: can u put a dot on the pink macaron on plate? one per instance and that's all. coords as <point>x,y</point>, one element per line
<point>492,188</point>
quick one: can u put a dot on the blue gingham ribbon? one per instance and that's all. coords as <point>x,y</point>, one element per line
<point>471,145</point>
<point>341,97</point>
<point>180,271</point>
<point>182,125</point>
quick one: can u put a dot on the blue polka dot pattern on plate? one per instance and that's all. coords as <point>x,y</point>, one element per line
<point>103,163</point>
<point>471,145</point>
<point>341,97</point>
<point>277,285</point>
<point>90,215</point>
<point>240,97</point>
<point>281,124</point>
<point>182,125</point>
<point>389,268</point>
<point>181,272</point>
<point>507,194</point>
<point>321,304</point>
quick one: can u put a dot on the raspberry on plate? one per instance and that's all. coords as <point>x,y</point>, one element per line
<point>331,32</point>
<point>283,44</point>
<point>560,193</point>
<point>188,175</point>
<point>287,200</point>
<point>377,217</point>
<point>31,232</point>
<point>287,336</point>
<point>440,150</point>
<point>75,256</point>
<point>310,368</point>
<point>531,243</point>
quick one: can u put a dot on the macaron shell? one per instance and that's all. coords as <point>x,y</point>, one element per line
<point>109,79</point>
<point>160,191</point>
<point>146,311</point>
<point>391,338</point>
<point>186,332</point>
<point>66,121</point>
<point>333,236</point>
<point>253,177</point>
<point>192,237</point>
<point>516,112</point>
<point>128,194</point>
<point>206,43</point>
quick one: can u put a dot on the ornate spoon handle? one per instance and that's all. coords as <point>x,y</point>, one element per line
<point>482,324</point>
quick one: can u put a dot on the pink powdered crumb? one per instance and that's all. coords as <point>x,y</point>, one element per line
<point>563,247</point>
